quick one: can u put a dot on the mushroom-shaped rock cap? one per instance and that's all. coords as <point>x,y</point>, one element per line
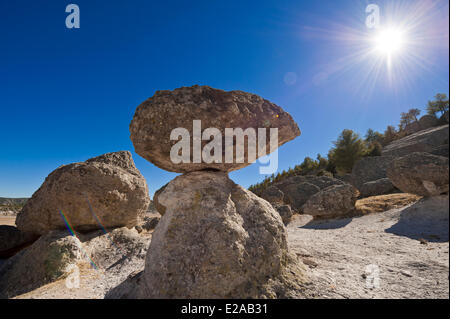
<point>155,119</point>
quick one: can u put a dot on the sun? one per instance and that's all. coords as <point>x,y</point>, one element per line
<point>389,41</point>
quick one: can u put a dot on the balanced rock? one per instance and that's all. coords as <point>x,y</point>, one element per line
<point>379,187</point>
<point>155,119</point>
<point>422,174</point>
<point>333,201</point>
<point>107,189</point>
<point>218,240</point>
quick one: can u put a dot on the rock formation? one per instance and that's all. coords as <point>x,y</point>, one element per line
<point>285,212</point>
<point>215,239</point>
<point>47,260</point>
<point>421,174</point>
<point>12,240</point>
<point>296,190</point>
<point>98,261</point>
<point>379,187</point>
<point>333,201</point>
<point>218,240</point>
<point>156,118</point>
<point>369,169</point>
<point>422,141</point>
<point>107,189</point>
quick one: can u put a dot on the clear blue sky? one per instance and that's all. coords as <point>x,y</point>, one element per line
<point>68,95</point>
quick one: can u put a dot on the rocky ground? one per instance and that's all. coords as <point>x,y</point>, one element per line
<point>410,255</point>
<point>412,260</point>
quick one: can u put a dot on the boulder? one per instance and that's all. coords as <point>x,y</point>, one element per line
<point>334,201</point>
<point>13,240</point>
<point>273,195</point>
<point>150,223</point>
<point>369,169</point>
<point>428,121</point>
<point>107,189</point>
<point>422,174</point>
<point>440,150</point>
<point>159,207</point>
<point>298,189</point>
<point>444,119</point>
<point>218,240</point>
<point>422,141</point>
<point>379,187</point>
<point>156,118</point>
<point>48,259</point>
<point>347,178</point>
<point>412,128</point>
<point>103,261</point>
<point>285,212</point>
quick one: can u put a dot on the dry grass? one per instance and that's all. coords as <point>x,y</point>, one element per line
<point>382,203</point>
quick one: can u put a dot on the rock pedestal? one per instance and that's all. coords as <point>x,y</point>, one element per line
<point>218,240</point>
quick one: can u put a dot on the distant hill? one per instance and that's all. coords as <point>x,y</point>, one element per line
<point>14,204</point>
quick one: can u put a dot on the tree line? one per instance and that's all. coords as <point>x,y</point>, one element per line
<point>350,147</point>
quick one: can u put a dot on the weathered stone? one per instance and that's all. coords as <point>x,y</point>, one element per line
<point>285,212</point>
<point>428,121</point>
<point>440,150</point>
<point>273,195</point>
<point>298,189</point>
<point>422,174</point>
<point>109,186</point>
<point>159,207</point>
<point>334,201</point>
<point>422,141</point>
<point>13,240</point>
<point>379,187</point>
<point>155,119</point>
<point>368,169</point>
<point>47,260</point>
<point>412,128</point>
<point>150,223</point>
<point>444,119</point>
<point>218,240</point>
<point>347,178</point>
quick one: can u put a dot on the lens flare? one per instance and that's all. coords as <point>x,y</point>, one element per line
<point>389,41</point>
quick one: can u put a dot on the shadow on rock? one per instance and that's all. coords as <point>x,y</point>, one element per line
<point>427,219</point>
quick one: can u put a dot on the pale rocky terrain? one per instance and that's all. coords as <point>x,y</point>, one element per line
<point>413,260</point>
<point>338,252</point>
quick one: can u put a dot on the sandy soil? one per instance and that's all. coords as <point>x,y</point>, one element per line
<point>382,255</point>
<point>8,220</point>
